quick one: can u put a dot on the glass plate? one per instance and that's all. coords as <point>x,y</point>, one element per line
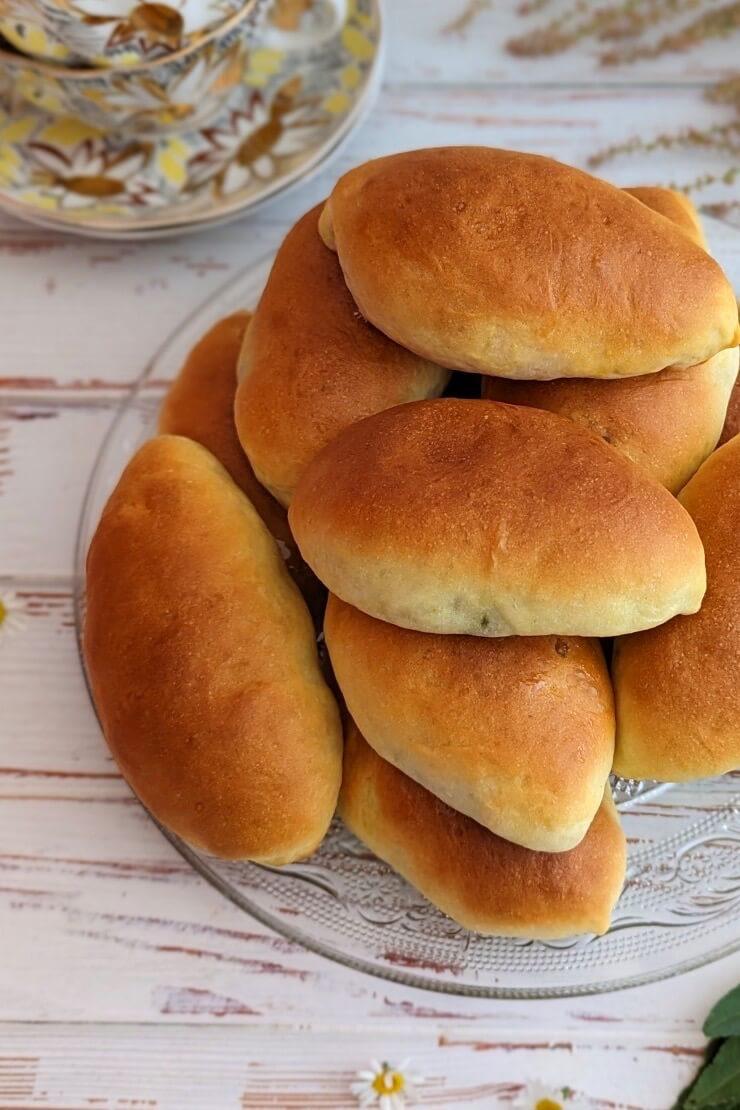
<point>681,903</point>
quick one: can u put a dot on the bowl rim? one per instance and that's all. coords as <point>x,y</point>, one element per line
<point>44,67</point>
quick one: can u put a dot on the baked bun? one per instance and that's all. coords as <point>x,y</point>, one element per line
<point>678,687</point>
<point>732,419</point>
<point>493,520</point>
<point>667,423</point>
<point>200,405</point>
<point>481,881</point>
<point>517,733</point>
<point>518,266</point>
<point>675,206</point>
<point>202,662</point>
<point>310,365</point>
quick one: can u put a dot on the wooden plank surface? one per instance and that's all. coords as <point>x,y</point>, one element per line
<point>127,981</point>
<point>177,1068</point>
<point>450,42</point>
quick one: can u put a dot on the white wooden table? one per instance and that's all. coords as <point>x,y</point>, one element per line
<point>125,981</point>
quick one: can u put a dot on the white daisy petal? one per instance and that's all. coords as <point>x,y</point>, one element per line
<point>127,167</point>
<point>294,141</point>
<point>70,199</point>
<point>49,158</point>
<point>535,1092</point>
<point>84,161</point>
<point>384,1085</point>
<point>264,166</point>
<point>236,177</point>
<point>258,117</point>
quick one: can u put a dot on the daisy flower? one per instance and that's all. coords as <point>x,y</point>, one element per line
<point>250,144</point>
<point>89,172</point>
<point>535,1096</point>
<point>11,613</point>
<point>385,1086</point>
<point>194,93</point>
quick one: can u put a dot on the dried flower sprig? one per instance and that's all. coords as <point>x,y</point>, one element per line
<point>709,25</point>
<point>723,209</point>
<point>626,26</point>
<point>728,177</point>
<point>470,12</point>
<point>722,137</point>
<point>726,92</point>
<point>624,19</point>
<point>529,7</point>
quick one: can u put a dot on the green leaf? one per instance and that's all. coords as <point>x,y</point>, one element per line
<point>724,1018</point>
<point>718,1086</point>
<point>709,1053</point>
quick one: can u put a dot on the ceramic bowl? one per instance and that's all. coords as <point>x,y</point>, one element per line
<point>181,91</point>
<point>129,34</point>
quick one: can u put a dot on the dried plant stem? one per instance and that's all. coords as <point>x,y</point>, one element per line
<point>723,136</point>
<point>722,209</point>
<point>715,24</point>
<point>470,12</point>
<point>529,7</point>
<point>726,92</point>
<point>692,22</point>
<point>729,177</point>
<point>627,18</point>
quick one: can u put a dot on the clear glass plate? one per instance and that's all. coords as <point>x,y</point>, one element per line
<point>681,904</point>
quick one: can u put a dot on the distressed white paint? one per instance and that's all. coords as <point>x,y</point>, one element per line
<point>127,958</point>
<point>199,1069</point>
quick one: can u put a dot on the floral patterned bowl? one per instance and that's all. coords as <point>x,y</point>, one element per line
<point>112,32</point>
<point>37,42</point>
<point>183,90</point>
<point>289,113</point>
<point>125,33</point>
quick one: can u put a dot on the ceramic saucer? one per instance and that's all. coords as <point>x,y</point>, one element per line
<point>289,114</point>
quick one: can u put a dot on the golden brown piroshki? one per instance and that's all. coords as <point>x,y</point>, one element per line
<point>675,206</point>
<point>515,265</point>
<point>677,687</point>
<point>516,732</point>
<point>311,365</point>
<point>202,662</point>
<point>483,882</point>
<point>469,516</point>
<point>732,419</point>
<point>200,405</point>
<point>668,423</point>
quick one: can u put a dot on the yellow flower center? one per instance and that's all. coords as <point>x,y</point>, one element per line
<point>3,611</point>
<point>391,1083</point>
<point>547,1104</point>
